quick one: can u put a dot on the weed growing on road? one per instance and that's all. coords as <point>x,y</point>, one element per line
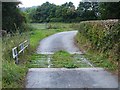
<point>63,59</point>
<point>38,61</point>
<point>60,59</point>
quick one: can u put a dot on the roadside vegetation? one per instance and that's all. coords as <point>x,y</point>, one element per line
<point>12,74</point>
<point>100,40</point>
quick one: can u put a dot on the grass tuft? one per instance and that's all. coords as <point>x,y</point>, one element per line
<point>63,59</point>
<point>13,75</point>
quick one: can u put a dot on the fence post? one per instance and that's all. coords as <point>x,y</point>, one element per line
<point>15,55</point>
<point>15,51</point>
<point>16,60</point>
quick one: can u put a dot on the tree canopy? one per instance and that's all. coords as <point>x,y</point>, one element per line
<point>12,17</point>
<point>67,12</point>
<point>110,10</point>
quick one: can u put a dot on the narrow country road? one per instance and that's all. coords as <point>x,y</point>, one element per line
<point>59,41</point>
<point>93,77</point>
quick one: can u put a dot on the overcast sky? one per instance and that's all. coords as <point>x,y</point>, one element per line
<point>29,3</point>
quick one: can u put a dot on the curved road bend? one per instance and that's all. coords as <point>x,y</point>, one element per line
<point>59,41</point>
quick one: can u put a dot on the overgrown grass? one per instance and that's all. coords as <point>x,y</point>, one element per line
<point>60,59</point>
<point>12,74</point>
<point>101,60</point>
<point>100,41</point>
<point>10,42</point>
<point>38,61</point>
<point>63,59</point>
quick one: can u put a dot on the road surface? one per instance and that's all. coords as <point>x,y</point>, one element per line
<point>59,41</point>
<point>70,78</point>
<point>67,78</point>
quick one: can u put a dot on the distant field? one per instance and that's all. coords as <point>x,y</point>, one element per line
<point>63,26</point>
<point>38,25</point>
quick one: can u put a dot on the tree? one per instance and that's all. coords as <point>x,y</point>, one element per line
<point>87,10</point>
<point>12,18</point>
<point>45,12</point>
<point>109,10</point>
<point>30,13</point>
<point>66,12</point>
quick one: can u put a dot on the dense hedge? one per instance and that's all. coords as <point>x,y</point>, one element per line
<point>103,36</point>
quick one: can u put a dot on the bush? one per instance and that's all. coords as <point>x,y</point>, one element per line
<point>102,36</point>
<point>13,75</point>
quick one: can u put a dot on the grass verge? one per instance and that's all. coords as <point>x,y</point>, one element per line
<point>13,75</point>
<point>97,58</point>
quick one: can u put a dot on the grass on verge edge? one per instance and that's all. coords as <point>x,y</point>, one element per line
<point>95,57</point>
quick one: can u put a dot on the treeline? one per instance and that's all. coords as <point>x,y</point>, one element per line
<point>67,12</point>
<point>13,18</point>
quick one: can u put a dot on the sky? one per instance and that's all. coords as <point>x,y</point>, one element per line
<point>30,3</point>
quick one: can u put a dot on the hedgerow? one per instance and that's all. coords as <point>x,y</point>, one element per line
<point>103,36</point>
